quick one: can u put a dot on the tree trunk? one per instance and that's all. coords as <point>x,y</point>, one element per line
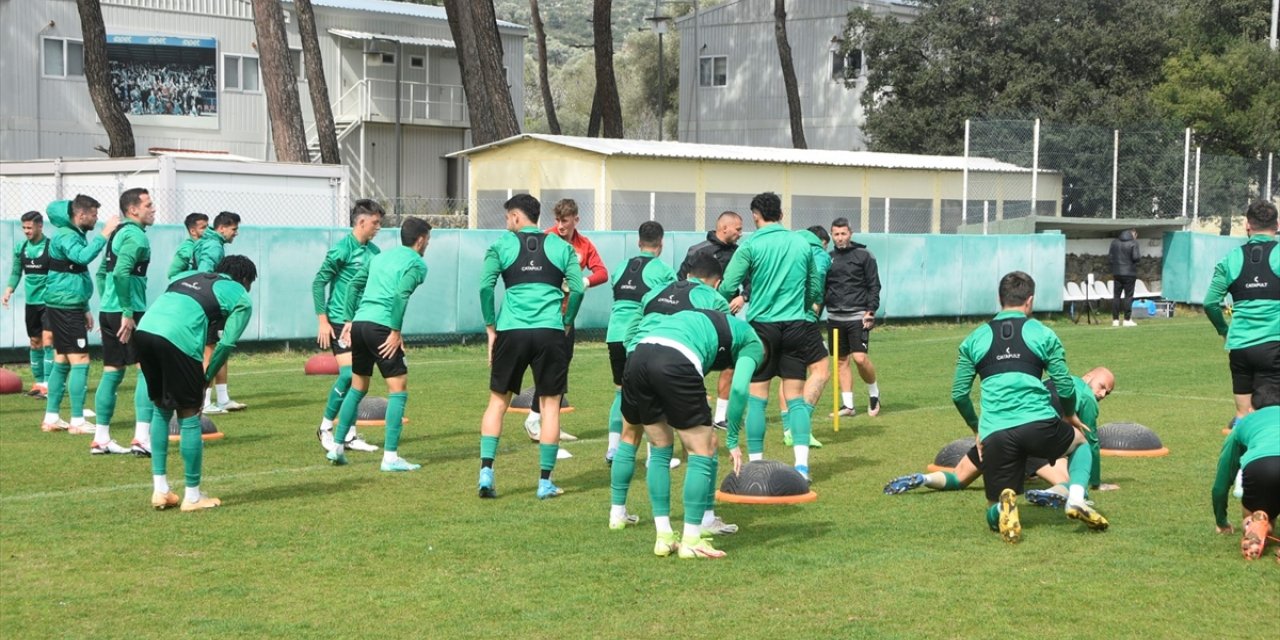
<point>279,82</point>
<point>541,35</point>
<point>475,34</point>
<point>593,120</point>
<point>98,77</point>
<point>325,129</point>
<point>788,74</point>
<point>606,83</point>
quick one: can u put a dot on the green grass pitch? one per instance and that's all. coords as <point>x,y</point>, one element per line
<point>303,549</point>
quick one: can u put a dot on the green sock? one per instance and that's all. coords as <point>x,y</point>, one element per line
<point>488,447</point>
<point>160,440</point>
<point>1095,472</point>
<point>57,385</point>
<point>192,448</point>
<point>104,401</point>
<point>48,362</point>
<point>659,480</point>
<point>953,483</point>
<point>993,516</point>
<point>615,413</point>
<point>800,417</point>
<point>755,423</point>
<point>1080,466</point>
<point>697,486</point>
<point>36,356</point>
<point>620,474</point>
<point>78,388</point>
<point>395,419</point>
<point>347,416</point>
<point>337,392</point>
<point>142,406</point>
<point>547,456</point>
<point>711,489</point>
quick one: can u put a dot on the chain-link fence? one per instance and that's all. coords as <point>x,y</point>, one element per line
<point>1147,172</point>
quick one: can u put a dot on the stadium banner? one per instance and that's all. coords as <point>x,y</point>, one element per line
<point>165,81</point>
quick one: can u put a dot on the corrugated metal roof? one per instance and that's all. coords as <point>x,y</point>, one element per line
<point>414,40</point>
<point>400,9</point>
<point>775,155</point>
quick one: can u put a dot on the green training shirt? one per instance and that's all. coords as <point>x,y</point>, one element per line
<point>183,259</point>
<point>701,296</point>
<point>122,291</point>
<point>380,292</point>
<point>625,315</point>
<point>821,262</point>
<point>1011,399</point>
<point>209,250</point>
<point>34,286</point>
<point>1252,321</point>
<point>178,318</point>
<point>341,265</point>
<point>531,305</point>
<point>1256,435</point>
<point>779,267</point>
<point>72,291</point>
<point>695,331</point>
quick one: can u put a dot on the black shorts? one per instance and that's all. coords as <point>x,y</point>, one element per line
<point>661,384</point>
<point>789,348</point>
<point>1262,486</point>
<point>37,322</point>
<point>336,345</point>
<point>366,339</point>
<point>70,335</point>
<point>175,380</point>
<point>1033,464</point>
<point>853,338</point>
<point>115,353</point>
<point>1005,452</point>
<point>617,360</point>
<point>215,331</point>
<point>1252,367</point>
<point>542,350</point>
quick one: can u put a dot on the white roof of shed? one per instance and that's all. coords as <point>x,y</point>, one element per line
<point>733,153</point>
<point>413,40</point>
<point>400,9</point>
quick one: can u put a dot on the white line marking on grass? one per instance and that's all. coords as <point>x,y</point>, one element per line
<point>24,497</point>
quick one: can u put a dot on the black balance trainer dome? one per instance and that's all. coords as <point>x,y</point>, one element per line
<point>951,454</point>
<point>521,402</point>
<point>372,412</point>
<point>765,482</point>
<point>1129,439</point>
<point>208,431</point>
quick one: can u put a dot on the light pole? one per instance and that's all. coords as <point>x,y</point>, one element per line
<point>660,28</point>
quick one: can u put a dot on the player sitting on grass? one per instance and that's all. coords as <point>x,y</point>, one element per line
<point>1254,446</point>
<point>696,292</point>
<point>663,389</point>
<point>341,265</point>
<point>379,294</point>
<point>170,341</point>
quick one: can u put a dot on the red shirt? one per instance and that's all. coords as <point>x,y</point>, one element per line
<point>588,257</point>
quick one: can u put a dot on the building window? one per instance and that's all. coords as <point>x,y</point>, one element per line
<point>63,58</point>
<point>388,58</point>
<point>846,64</point>
<point>295,59</point>
<point>417,62</point>
<point>712,71</point>
<point>240,73</point>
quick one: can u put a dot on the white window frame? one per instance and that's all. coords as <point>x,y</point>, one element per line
<point>417,62</point>
<point>239,62</point>
<point>712,84</point>
<point>65,75</point>
<point>862,65</point>
<point>301,71</point>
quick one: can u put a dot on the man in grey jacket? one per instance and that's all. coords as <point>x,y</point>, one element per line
<point>1124,271</point>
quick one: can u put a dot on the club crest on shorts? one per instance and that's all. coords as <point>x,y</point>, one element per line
<point>80,342</point>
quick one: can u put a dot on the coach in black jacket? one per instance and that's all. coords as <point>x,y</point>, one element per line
<point>852,298</point>
<point>1124,273</point>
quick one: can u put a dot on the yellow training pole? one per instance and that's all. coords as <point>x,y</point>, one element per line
<point>835,380</point>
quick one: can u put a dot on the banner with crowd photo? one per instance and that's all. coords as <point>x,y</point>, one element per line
<point>165,81</point>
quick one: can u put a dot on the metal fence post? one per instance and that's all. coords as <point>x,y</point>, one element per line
<point>1195,210</point>
<point>1035,164</point>
<point>1186,168</point>
<point>964,189</point>
<point>1115,171</point>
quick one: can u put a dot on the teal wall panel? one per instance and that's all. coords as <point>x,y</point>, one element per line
<point>922,275</point>
<point>1189,259</point>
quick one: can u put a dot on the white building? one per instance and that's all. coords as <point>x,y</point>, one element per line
<point>188,73</point>
<point>731,88</point>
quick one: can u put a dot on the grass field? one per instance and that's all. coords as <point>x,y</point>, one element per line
<point>302,549</point>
